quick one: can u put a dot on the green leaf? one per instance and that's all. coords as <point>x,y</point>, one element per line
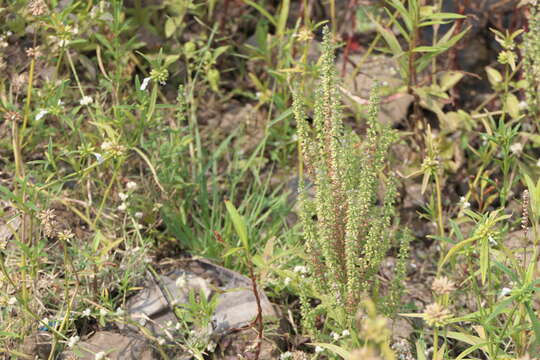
<point>535,323</point>
<point>444,16</point>
<point>512,105</point>
<point>283,16</point>
<point>170,27</point>
<point>405,15</point>
<point>390,38</point>
<point>458,247</point>
<point>239,224</point>
<point>471,349</point>
<point>421,350</point>
<point>429,49</point>
<point>262,11</point>
<point>495,78</point>
<point>231,251</point>
<point>466,338</point>
<point>449,79</point>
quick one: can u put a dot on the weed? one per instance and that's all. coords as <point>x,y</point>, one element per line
<point>346,233</point>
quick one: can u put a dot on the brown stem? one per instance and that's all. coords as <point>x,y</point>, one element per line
<point>259,318</point>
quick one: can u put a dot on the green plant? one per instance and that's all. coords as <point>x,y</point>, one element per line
<point>531,54</point>
<point>347,234</point>
<point>415,58</point>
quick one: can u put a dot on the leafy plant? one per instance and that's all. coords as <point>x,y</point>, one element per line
<point>415,57</point>
<point>347,234</point>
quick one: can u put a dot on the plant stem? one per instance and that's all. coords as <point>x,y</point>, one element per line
<point>259,318</point>
<point>439,205</point>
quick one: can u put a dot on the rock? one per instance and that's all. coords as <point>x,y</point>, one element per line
<point>37,345</point>
<point>236,304</point>
<point>8,227</point>
<point>393,109</point>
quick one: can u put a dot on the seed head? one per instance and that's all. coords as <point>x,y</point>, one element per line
<point>525,210</point>
<point>33,52</point>
<point>65,235</point>
<point>443,286</point>
<point>12,116</point>
<point>305,35</point>
<point>436,315</point>
<point>37,7</point>
<point>48,222</point>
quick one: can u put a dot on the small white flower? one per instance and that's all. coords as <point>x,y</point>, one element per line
<point>318,349</point>
<point>142,321</point>
<point>100,355</point>
<point>72,341</point>
<point>138,215</point>
<point>177,326</point>
<point>122,207</point>
<point>345,333</point>
<point>86,312</point>
<point>505,291</point>
<point>522,105</point>
<point>335,336</point>
<point>516,148</point>
<point>139,226</point>
<point>286,355</point>
<point>123,196</point>
<point>132,185</point>
<point>119,312</point>
<point>99,158</point>
<point>145,82</point>
<point>41,113</point>
<point>287,281</point>
<point>492,240</point>
<point>161,341</point>
<point>464,203</point>
<point>103,312</point>
<point>300,269</point>
<point>86,100</point>
<point>12,300</point>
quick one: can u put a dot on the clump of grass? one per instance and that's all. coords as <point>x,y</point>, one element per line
<point>346,228</point>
